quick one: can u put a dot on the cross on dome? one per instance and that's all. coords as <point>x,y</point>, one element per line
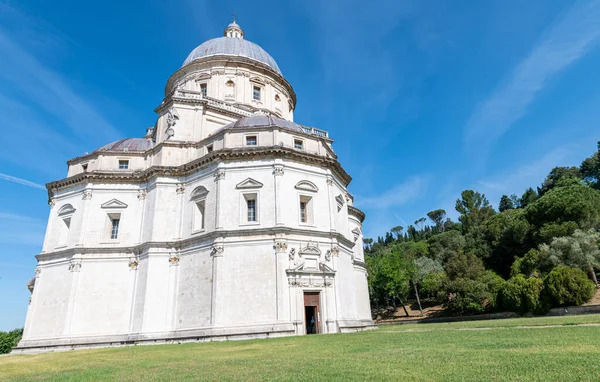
<point>233,29</point>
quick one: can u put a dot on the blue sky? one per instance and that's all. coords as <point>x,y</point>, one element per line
<point>423,98</point>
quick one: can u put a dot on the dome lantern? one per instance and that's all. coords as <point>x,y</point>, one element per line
<point>233,30</point>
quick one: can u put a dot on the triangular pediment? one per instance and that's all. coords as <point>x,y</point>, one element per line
<point>114,203</point>
<point>249,183</point>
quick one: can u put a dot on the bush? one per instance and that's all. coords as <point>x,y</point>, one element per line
<point>521,294</point>
<point>8,340</point>
<point>568,286</point>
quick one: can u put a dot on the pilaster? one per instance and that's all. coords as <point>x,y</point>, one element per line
<point>278,170</point>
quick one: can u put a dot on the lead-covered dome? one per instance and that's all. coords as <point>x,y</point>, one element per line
<point>233,44</point>
<point>129,145</point>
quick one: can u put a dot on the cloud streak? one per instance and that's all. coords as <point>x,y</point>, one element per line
<point>570,37</point>
<point>400,194</point>
<point>21,181</point>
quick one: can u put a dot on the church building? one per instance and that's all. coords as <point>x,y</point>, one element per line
<point>227,220</point>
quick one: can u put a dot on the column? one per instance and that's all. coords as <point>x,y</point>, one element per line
<point>216,254</point>
<point>281,282</point>
<point>219,175</point>
<point>330,197</point>
<point>74,268</point>
<point>278,170</point>
<point>87,196</point>
<point>178,216</point>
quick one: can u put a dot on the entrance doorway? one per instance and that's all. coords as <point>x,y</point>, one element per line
<point>312,312</point>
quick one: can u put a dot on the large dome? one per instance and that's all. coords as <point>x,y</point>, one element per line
<point>233,45</point>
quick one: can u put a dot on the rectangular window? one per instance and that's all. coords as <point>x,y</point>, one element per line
<point>256,93</point>
<point>114,230</point>
<point>199,216</point>
<point>64,232</point>
<point>209,149</point>
<point>123,164</point>
<point>203,89</point>
<point>306,209</point>
<point>251,140</point>
<point>298,144</point>
<point>251,203</point>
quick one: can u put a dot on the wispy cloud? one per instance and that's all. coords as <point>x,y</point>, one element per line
<point>570,37</point>
<point>21,181</point>
<point>20,229</point>
<point>400,194</point>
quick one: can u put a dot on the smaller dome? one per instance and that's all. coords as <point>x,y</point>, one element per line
<point>258,121</point>
<point>129,145</point>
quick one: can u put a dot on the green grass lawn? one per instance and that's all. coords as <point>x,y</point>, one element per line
<point>402,352</point>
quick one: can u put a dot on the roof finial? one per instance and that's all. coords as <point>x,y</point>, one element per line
<point>234,17</point>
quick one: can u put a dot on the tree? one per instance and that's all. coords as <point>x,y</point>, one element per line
<point>562,209</point>
<point>397,231</point>
<point>395,271</point>
<point>529,196</point>
<point>560,177</point>
<point>419,269</point>
<point>579,250</point>
<point>445,245</point>
<point>474,209</point>
<point>419,223</point>
<point>437,217</point>
<point>508,236</point>
<point>506,203</point>
<point>590,169</point>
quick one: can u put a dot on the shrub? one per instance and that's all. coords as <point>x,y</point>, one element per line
<point>8,340</point>
<point>512,293</point>
<point>568,286</point>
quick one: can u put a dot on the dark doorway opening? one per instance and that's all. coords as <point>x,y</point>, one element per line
<point>310,317</point>
<point>312,312</point>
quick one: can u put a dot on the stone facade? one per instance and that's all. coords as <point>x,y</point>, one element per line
<point>206,228</point>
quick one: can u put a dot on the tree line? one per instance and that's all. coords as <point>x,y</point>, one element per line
<point>539,250</point>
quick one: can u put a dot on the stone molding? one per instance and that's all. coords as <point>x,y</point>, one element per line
<point>257,153</point>
<point>280,246</point>
<point>356,213</point>
<point>198,239</point>
<point>142,194</point>
<point>217,250</point>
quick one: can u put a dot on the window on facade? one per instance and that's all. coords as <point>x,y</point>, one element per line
<point>199,215</point>
<point>114,227</point>
<point>209,149</point>
<point>306,214</point>
<point>64,232</point>
<point>251,140</point>
<point>84,167</point>
<point>251,208</point>
<point>298,144</point>
<point>256,93</point>
<point>203,89</point>
<point>123,164</point>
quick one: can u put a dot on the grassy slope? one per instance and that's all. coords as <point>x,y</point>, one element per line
<point>408,352</point>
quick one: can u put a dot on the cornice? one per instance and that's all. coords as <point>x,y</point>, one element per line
<point>206,238</point>
<point>356,212</point>
<point>223,155</point>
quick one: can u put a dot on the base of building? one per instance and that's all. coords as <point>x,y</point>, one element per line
<point>175,337</point>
